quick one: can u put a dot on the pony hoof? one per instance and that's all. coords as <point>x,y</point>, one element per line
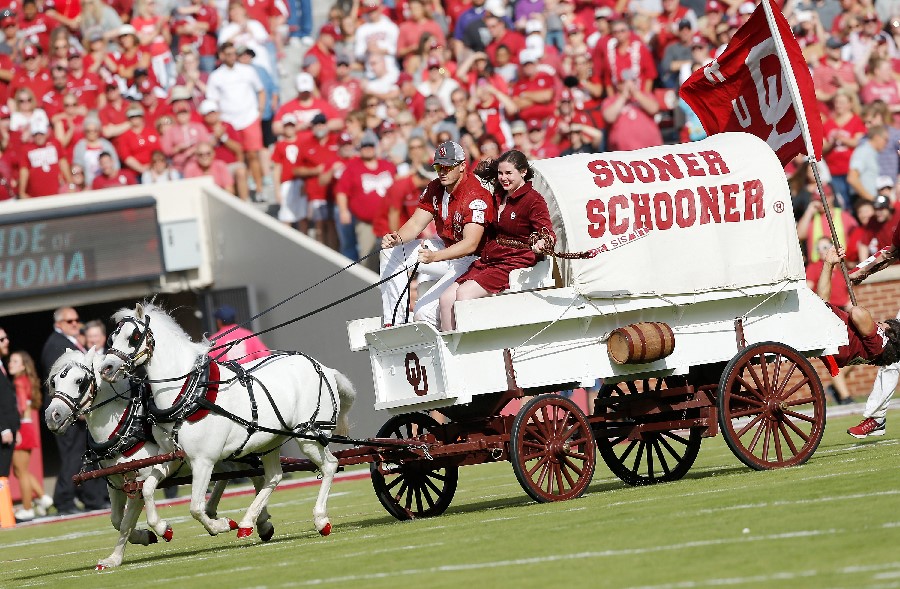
<point>232,524</point>
<point>167,535</point>
<point>266,535</point>
<point>151,538</point>
<point>100,567</point>
<point>326,530</point>
<point>244,532</point>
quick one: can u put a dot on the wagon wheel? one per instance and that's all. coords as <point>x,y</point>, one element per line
<point>552,449</point>
<point>771,406</point>
<point>650,457</point>
<point>417,488</point>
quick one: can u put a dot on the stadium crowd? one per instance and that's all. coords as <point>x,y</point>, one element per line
<point>340,124</point>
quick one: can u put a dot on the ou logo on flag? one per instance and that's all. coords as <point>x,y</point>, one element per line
<point>771,93</point>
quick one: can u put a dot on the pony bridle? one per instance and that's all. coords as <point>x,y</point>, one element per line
<point>87,390</point>
<point>141,342</point>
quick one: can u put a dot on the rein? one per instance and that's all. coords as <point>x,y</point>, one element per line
<point>549,244</point>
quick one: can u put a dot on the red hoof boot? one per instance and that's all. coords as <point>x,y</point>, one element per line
<point>326,530</point>
<point>245,532</point>
<point>168,534</point>
<point>232,524</point>
<point>100,567</point>
<point>151,537</point>
<point>267,535</point>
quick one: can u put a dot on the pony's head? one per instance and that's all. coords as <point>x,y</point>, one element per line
<point>73,385</point>
<point>130,344</point>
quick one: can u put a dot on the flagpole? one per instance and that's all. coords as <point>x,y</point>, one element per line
<point>788,74</point>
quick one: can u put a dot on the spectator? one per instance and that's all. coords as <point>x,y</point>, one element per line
<point>534,91</point>
<point>190,75</point>
<point>843,131</point>
<point>878,232</point>
<point>440,84</point>
<point>9,415</point>
<point>320,60</point>
<point>377,34</point>
<point>95,335</point>
<point>196,26</point>
<point>238,91</point>
<point>113,114</point>
<point>410,31</point>
<point>876,113</point>
<point>181,140</point>
<point>233,342</point>
<point>155,40</point>
<point>291,193</point>
<point>131,56</point>
<point>305,107</point>
<point>677,54</point>
<point>78,183</point>
<point>52,100</point>
<point>73,443</point>
<point>110,175</point>
<point>629,114</point>
<point>36,25</point>
<point>43,165</point>
<point>24,114</point>
<point>357,194</point>
<point>882,85</point>
<point>137,144</point>
<point>28,396</point>
<point>344,92</point>
<point>206,165</point>
<point>813,225</point>
<point>519,132</point>
<point>244,31</point>
<point>622,52</point>
<point>272,99</point>
<point>864,211</point>
<point>68,126</point>
<point>402,200</point>
<point>99,20</point>
<point>152,101</point>
<point>541,147</point>
<point>9,41</point>
<point>501,35</point>
<point>864,170</point>
<point>86,153</point>
<point>669,23</point>
<point>228,148</point>
<point>381,76</point>
<point>831,74</point>
<point>159,170</point>
<point>317,156</point>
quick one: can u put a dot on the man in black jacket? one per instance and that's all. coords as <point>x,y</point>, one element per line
<point>9,410</point>
<point>72,444</point>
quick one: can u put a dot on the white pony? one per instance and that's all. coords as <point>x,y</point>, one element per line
<point>116,421</point>
<point>282,392</point>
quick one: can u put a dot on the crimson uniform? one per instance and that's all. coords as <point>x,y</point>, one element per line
<point>862,348</point>
<point>42,163</point>
<point>39,82</point>
<point>364,187</point>
<point>140,146</point>
<point>540,81</point>
<point>312,154</point>
<point>114,181</point>
<point>525,213</point>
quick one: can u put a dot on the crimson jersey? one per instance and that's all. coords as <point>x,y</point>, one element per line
<point>38,82</point>
<point>139,145</point>
<point>287,153</point>
<point>37,30</point>
<point>365,187</point>
<point>540,81</point>
<point>861,349</point>
<point>42,163</point>
<point>470,202</point>
<point>305,114</point>
<point>205,44</point>
<point>116,180</point>
<point>312,154</point>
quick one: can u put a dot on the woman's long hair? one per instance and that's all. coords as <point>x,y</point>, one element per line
<point>30,372</point>
<point>488,170</point>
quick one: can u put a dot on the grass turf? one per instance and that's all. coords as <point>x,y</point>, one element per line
<point>830,523</point>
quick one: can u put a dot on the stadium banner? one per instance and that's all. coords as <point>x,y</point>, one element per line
<point>675,219</point>
<point>761,85</point>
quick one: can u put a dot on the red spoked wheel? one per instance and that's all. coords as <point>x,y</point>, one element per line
<point>552,449</point>
<point>415,488</point>
<point>654,454</point>
<point>771,406</point>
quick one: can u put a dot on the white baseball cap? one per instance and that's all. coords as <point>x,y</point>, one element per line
<point>305,82</point>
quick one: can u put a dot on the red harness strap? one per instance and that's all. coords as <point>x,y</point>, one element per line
<point>212,391</point>
<point>831,364</point>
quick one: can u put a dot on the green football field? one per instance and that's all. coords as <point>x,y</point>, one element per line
<point>834,522</point>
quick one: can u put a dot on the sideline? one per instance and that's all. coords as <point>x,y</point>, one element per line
<point>182,500</point>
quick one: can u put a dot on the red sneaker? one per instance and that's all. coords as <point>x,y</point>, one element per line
<point>868,427</point>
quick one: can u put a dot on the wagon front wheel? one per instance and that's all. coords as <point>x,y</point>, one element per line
<point>771,406</point>
<point>552,449</point>
<point>412,489</point>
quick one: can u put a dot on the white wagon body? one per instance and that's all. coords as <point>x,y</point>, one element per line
<point>692,235</point>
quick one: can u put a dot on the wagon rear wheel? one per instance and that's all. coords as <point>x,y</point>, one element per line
<point>635,450</point>
<point>416,488</point>
<point>771,406</point>
<point>552,449</point>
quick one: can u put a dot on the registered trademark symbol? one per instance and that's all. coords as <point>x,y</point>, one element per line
<point>779,207</point>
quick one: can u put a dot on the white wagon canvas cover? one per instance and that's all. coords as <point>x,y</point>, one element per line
<point>705,216</point>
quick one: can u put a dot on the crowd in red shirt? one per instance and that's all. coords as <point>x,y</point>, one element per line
<point>547,79</point>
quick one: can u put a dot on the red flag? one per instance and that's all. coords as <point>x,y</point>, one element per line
<point>746,89</point>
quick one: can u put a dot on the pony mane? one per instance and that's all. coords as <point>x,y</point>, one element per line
<point>67,357</point>
<point>161,320</point>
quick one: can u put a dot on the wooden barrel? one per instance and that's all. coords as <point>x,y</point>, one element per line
<point>640,343</point>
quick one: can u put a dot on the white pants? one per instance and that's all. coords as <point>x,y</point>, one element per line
<point>882,390</point>
<point>406,255</point>
<point>293,201</point>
